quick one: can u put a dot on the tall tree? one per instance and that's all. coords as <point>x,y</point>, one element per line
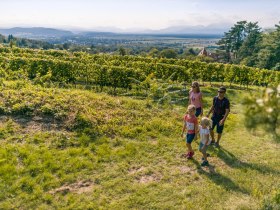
<point>269,55</point>
<point>122,51</point>
<point>233,40</point>
<point>247,54</point>
<point>10,37</point>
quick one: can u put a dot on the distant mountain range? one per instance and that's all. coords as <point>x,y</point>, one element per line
<point>49,33</point>
<point>36,32</point>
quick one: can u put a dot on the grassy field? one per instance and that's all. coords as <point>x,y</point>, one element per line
<point>76,149</point>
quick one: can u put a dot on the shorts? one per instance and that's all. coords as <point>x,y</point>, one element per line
<point>198,111</point>
<point>215,122</point>
<point>190,137</point>
<point>202,145</point>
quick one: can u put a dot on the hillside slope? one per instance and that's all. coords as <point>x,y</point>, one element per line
<point>75,149</point>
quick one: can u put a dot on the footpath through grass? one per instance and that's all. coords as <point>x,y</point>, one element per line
<point>74,149</point>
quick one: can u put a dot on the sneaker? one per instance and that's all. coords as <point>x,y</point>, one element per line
<point>213,142</point>
<point>205,163</point>
<point>208,155</point>
<point>216,145</point>
<point>190,155</point>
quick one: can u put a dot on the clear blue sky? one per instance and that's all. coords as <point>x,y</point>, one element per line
<point>137,14</point>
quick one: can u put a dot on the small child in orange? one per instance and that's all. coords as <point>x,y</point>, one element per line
<point>191,124</point>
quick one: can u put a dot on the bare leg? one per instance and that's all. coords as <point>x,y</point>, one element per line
<point>189,146</point>
<point>219,138</point>
<point>204,155</point>
<point>212,135</point>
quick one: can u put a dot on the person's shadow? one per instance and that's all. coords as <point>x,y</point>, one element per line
<point>218,178</point>
<point>232,161</point>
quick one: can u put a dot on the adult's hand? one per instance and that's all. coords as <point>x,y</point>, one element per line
<point>222,122</point>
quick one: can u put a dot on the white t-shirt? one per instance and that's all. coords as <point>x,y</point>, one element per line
<point>203,132</point>
<point>190,126</point>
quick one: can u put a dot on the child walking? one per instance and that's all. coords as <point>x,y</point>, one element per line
<point>191,124</point>
<point>195,98</point>
<point>204,131</point>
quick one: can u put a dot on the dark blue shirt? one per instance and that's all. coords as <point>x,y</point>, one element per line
<point>220,106</point>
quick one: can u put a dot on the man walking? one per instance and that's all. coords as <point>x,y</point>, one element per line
<point>220,109</point>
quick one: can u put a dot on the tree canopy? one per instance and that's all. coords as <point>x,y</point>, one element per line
<point>246,43</point>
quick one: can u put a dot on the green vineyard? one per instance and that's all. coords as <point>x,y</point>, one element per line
<point>122,71</point>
